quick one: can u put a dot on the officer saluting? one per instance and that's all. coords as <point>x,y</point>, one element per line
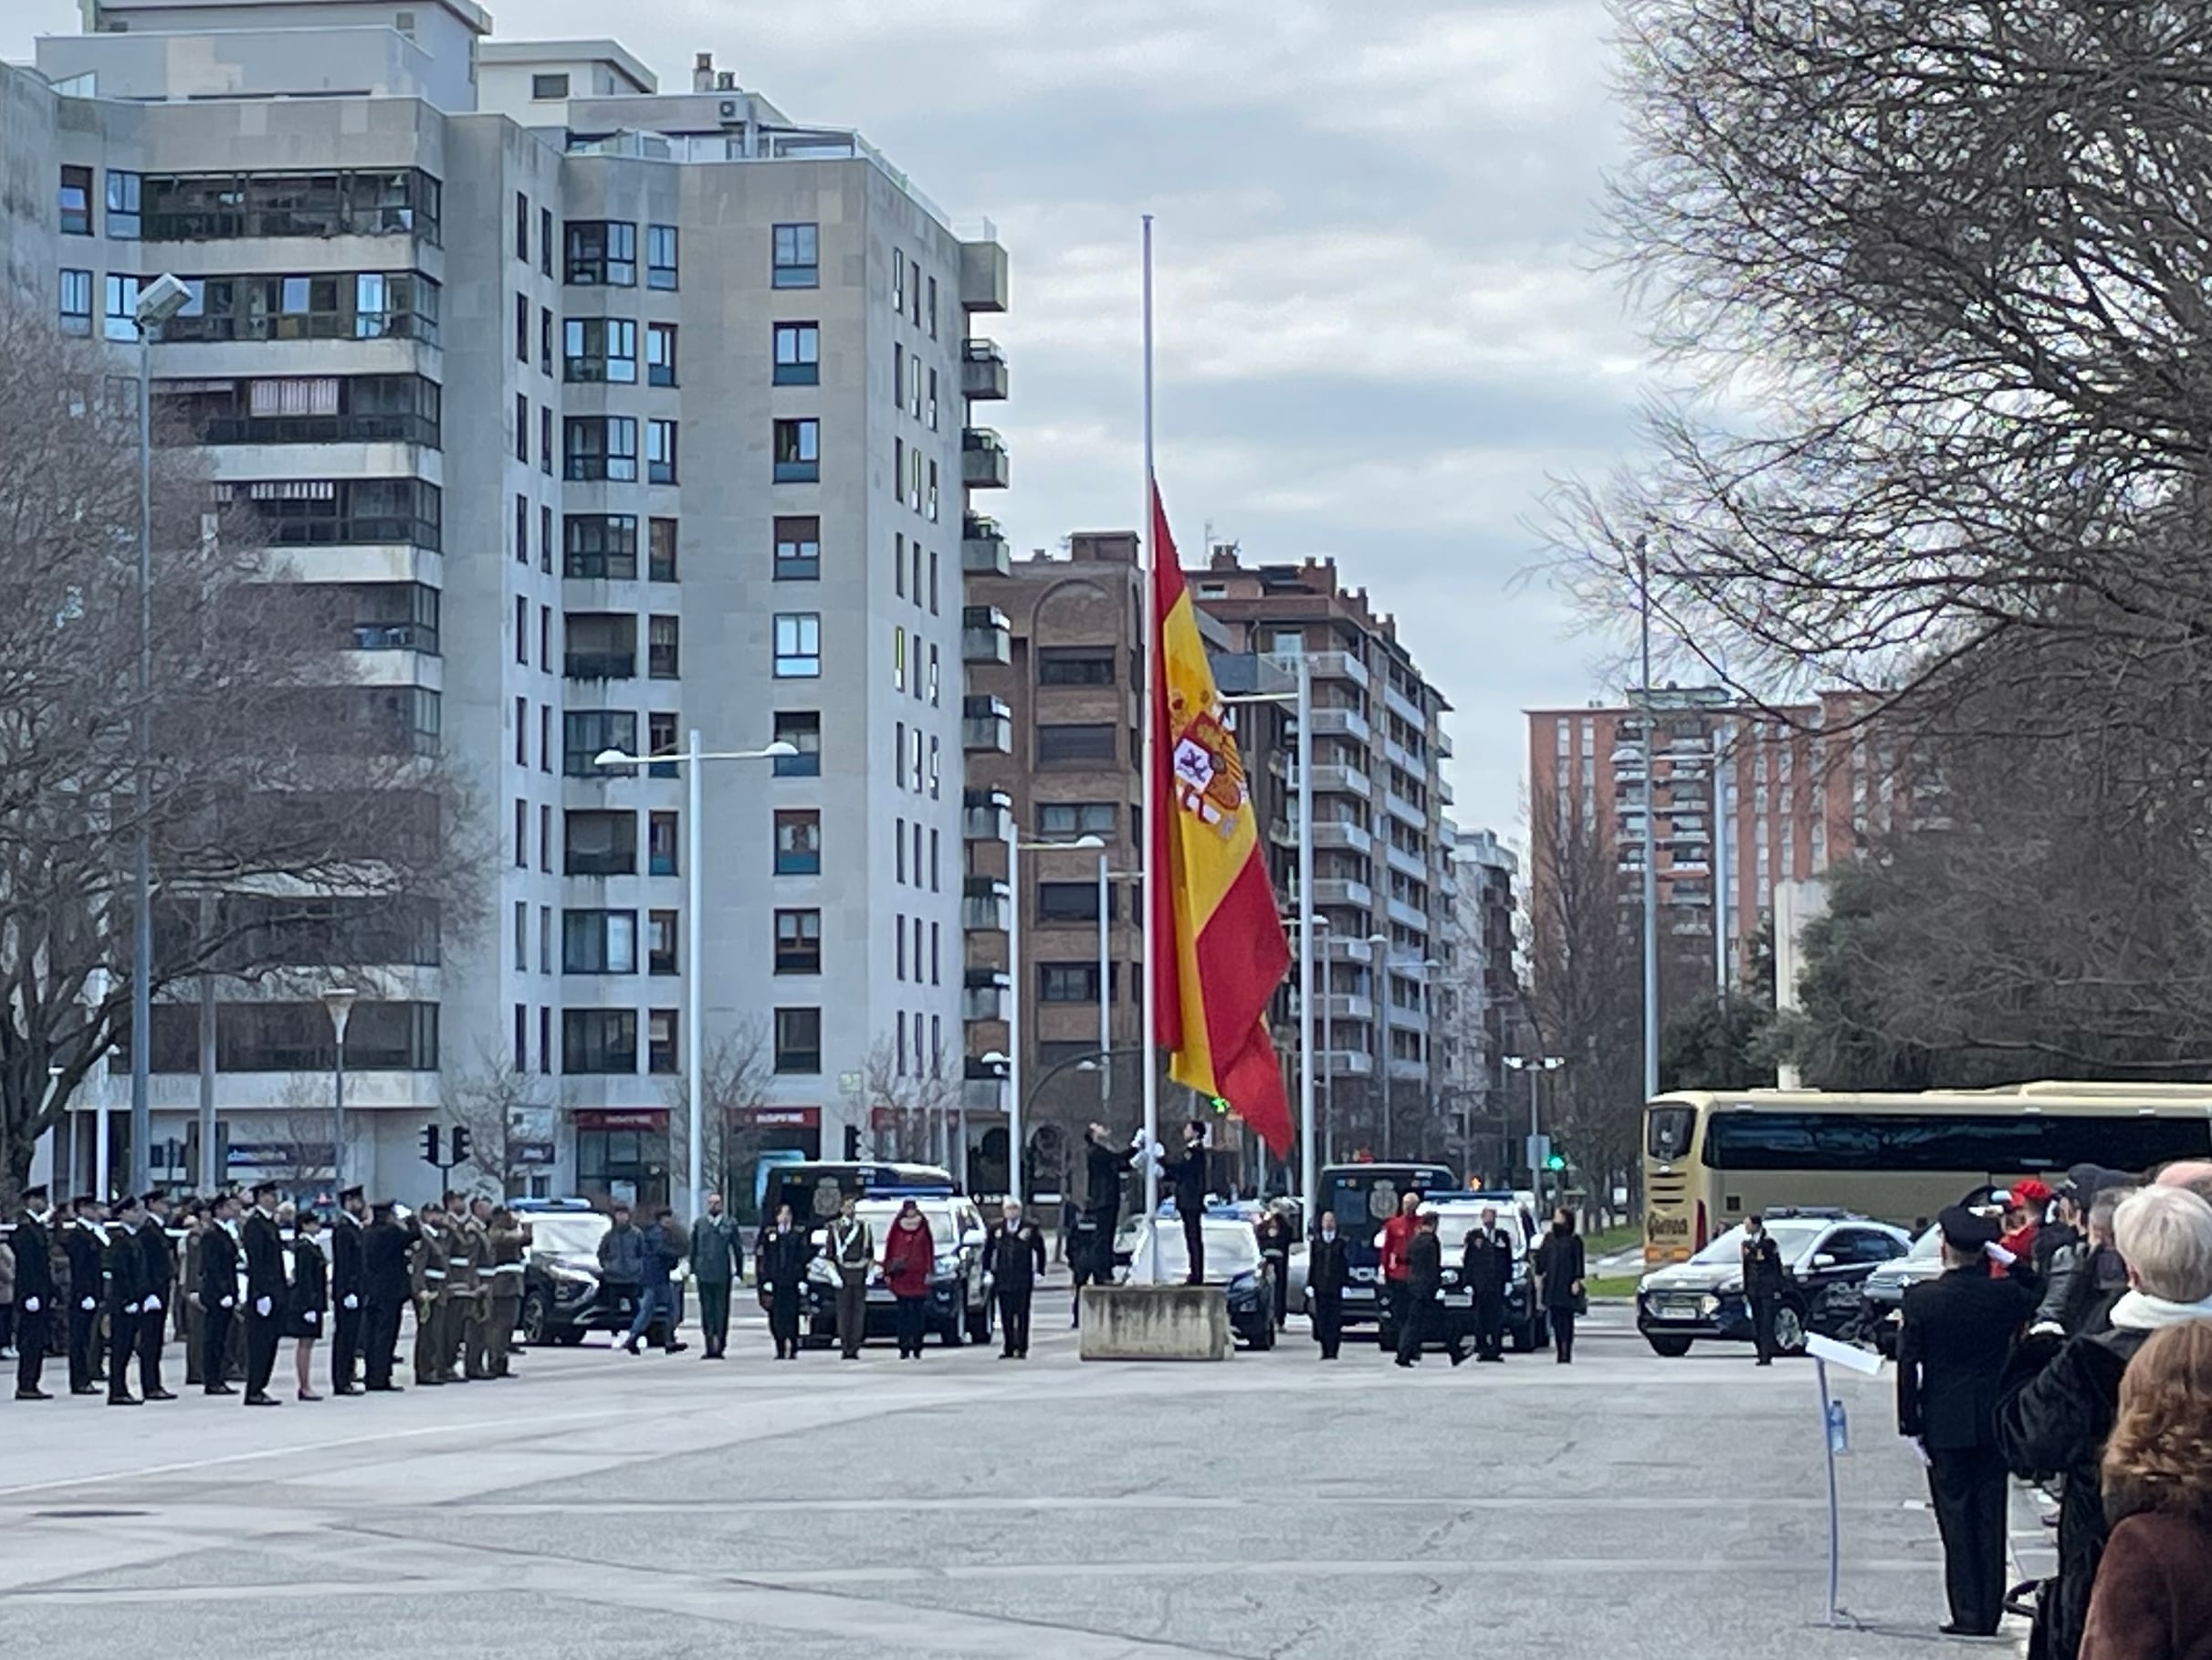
<point>34,1294</point>
<point>1951,1352</point>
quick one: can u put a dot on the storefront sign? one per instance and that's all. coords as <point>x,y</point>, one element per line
<point>533,1152</point>
<point>622,1118</point>
<point>783,1117</point>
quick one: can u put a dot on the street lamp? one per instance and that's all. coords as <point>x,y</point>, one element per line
<point>157,302</point>
<point>1650,831</point>
<point>691,757</point>
<point>1382,1015</point>
<point>1107,876</point>
<point>1535,1066</point>
<point>1015,847</point>
<point>339,1001</point>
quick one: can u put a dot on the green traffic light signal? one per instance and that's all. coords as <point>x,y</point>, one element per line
<point>1556,1161</point>
<point>1221,1104</point>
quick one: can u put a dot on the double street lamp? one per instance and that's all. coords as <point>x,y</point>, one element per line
<point>1535,1066</point>
<point>1015,848</point>
<point>339,1001</point>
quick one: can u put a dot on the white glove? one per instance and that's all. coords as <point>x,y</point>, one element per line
<point>230,1302</point>
<point>86,1304</point>
<point>353,1301</point>
<point>262,1305</point>
<point>30,1305</point>
<point>1997,1253</point>
<point>1138,1138</point>
<point>314,1317</point>
<point>152,1305</point>
<point>130,1308</point>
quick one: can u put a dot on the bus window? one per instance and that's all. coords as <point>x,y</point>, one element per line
<point>1668,1131</point>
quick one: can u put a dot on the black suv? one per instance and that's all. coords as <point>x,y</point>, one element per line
<point>1826,1253</point>
<point>562,1295</point>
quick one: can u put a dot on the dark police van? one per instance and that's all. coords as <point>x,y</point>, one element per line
<point>1364,1197</point>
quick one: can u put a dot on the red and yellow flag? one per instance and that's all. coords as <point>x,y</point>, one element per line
<point>1218,944</point>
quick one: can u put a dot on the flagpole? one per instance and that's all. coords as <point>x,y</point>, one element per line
<point>1149,877</point>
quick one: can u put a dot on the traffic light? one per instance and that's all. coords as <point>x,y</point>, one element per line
<point>851,1143</point>
<point>1220,1105</point>
<point>1556,1161</point>
<point>430,1144</point>
<point>460,1145</point>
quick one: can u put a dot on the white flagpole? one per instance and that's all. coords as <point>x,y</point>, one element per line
<point>1149,877</point>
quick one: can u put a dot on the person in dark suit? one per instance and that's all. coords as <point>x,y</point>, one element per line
<point>1187,1176</point>
<point>1951,1350</point>
<point>1764,1280</point>
<point>157,1255</point>
<point>1090,1255</point>
<point>780,1254</point>
<point>1486,1264</point>
<point>1014,1253</point>
<point>123,1270</point>
<point>384,1289</point>
<point>219,1293</point>
<point>35,1293</point>
<point>1273,1233</point>
<point>345,1245</point>
<point>84,1245</point>
<point>1424,1281</point>
<point>1325,1272</point>
<point>266,1290</point>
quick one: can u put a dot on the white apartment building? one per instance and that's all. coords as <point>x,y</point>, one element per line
<point>617,413</point>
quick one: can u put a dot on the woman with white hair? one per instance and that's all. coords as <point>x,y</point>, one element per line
<point>2061,1396</point>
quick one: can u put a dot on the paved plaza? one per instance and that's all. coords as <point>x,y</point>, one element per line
<point>1270,1508</point>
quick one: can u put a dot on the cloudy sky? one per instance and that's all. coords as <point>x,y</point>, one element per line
<point>1379,335</point>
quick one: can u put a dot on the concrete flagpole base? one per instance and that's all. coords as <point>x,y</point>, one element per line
<point>1155,1323</point>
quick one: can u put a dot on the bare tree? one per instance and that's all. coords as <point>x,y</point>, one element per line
<point>303,810</point>
<point>738,1067</point>
<point>919,1103</point>
<point>491,1103</point>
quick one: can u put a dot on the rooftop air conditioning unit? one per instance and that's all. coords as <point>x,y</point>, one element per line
<point>729,111</point>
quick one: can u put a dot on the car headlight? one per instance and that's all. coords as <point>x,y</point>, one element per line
<point>572,1277</point>
<point>946,1266</point>
<point>1708,1304</point>
<point>1730,1287</point>
<point>1452,1277</point>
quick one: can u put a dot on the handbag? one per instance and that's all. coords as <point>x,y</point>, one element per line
<point>1582,1302</point>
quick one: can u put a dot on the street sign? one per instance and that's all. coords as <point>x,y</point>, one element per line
<point>1539,1152</point>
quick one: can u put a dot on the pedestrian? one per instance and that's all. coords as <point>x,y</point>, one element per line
<point>1326,1270</point>
<point>7,1300</point>
<point>266,1290</point>
<point>1559,1278</point>
<point>1014,1253</point>
<point>718,1259</point>
<point>622,1260</point>
<point>1396,1234</point>
<point>34,1292</point>
<point>216,1291</point>
<point>2088,1276</point>
<point>468,1285</point>
<point>909,1254</point>
<point>780,1254</point>
<point>307,1309</point>
<point>124,1271</point>
<point>1424,1287</point>
<point>1187,1176</point>
<point>1273,1233</point>
<point>2060,1395</point>
<point>84,1245</point>
<point>1764,1281</point>
<point>2154,1591</point>
<point>509,1238</point>
<point>1951,1350</point>
<point>384,1289</point>
<point>850,1248</point>
<point>346,1282</point>
<point>426,1259</point>
<point>664,1249</point>
<point>2025,1204</point>
<point>158,1259</point>
<point>1486,1267</point>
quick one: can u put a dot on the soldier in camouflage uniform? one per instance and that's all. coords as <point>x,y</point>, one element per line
<point>468,1274</point>
<point>509,1242</point>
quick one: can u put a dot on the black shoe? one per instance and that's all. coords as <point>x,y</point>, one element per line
<point>1952,1628</point>
<point>84,1389</point>
<point>218,1389</point>
<point>1407,1364</point>
<point>160,1395</point>
<point>124,1401</point>
<point>383,1389</point>
<point>346,1389</point>
<point>262,1399</point>
<point>1459,1357</point>
<point>1763,1361</point>
<point>678,1348</point>
<point>33,1395</point>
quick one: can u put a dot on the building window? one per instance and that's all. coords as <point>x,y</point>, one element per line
<point>584,733</point>
<point>660,562</point>
<point>933,313</point>
<point>660,353</point>
<point>801,729</point>
<point>124,206</point>
<point>798,256</point>
<point>933,581</point>
<point>545,440</point>
<point>602,254</point>
<point>522,454</point>
<point>77,303</point>
<point>799,452</point>
<point>898,282</point>
<point>545,523</point>
<point>660,845</point>
<point>899,948</point>
<point>600,546</point>
<point>522,731</point>
<point>522,630</point>
<point>799,1040</point>
<point>1071,903</point>
<point>935,939</point>
<point>545,737</point>
<point>663,659</point>
<point>932,400</point>
<point>1074,745</point>
<point>522,1053</point>
<point>545,340</point>
<point>898,850</point>
<point>798,550</point>
<point>599,943</point>
<point>660,452</point>
<point>936,780</point>
<point>933,677</point>
<point>798,645</point>
<point>1067,983</point>
<point>1077,818</point>
<point>1076,665</point>
<point>597,348</point>
<point>119,318</point>
<point>899,469</point>
<point>932,507</point>
<point>660,1040</point>
<point>660,942</point>
<point>660,255</point>
<point>799,842</point>
<point>522,328</point>
<point>798,942</point>
<point>898,659</point>
<point>522,227</point>
<point>549,88</point>
<point>218,206</point>
<point>545,241</point>
<point>660,740</point>
<point>934,846</point>
<point>76,200</point>
<point>602,447</point>
<point>522,836</point>
<point>601,1041</point>
<point>798,354</point>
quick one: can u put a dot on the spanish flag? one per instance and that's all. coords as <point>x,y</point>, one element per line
<point>1218,949</point>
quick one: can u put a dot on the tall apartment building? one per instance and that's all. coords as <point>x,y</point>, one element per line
<point>615,413</point>
<point>1480,998</point>
<point>1382,844</point>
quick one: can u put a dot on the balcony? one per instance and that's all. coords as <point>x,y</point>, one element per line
<point>986,815</point>
<point>1340,780</point>
<point>1343,891</point>
<point>983,273</point>
<point>986,635</point>
<point>986,906</point>
<point>1347,1062</point>
<point>1337,666</point>
<point>982,369</point>
<point>1399,807</point>
<point>983,551</point>
<point>984,996</point>
<point>1405,863</point>
<point>1341,833</point>
<point>1345,1005</point>
<point>1333,722</point>
<point>1403,707</point>
<point>982,458</point>
<point>987,726</point>
<point>600,665</point>
<point>599,646</point>
<point>1407,916</point>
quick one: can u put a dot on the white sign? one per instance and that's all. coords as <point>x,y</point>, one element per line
<point>1848,1356</point>
<point>531,1123</point>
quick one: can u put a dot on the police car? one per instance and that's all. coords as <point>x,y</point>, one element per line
<point>1457,1216</point>
<point>1826,1255</point>
<point>960,1282</point>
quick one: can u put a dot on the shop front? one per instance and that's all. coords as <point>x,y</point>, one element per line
<point>621,1156</point>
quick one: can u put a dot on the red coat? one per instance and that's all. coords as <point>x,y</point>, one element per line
<point>907,1258</point>
<point>1396,1234</point>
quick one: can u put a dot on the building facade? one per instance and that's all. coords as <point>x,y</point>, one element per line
<point>613,414</point>
<point>1479,1004</point>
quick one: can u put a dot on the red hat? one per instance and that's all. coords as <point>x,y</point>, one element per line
<point>2030,1191</point>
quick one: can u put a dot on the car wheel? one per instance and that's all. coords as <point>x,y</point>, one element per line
<point>1671,1348</point>
<point>979,1324</point>
<point>1524,1339</point>
<point>537,1316</point>
<point>1789,1328</point>
<point>1265,1338</point>
<point>953,1335</point>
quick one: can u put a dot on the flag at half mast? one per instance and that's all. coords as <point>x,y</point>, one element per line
<point>1219,951</point>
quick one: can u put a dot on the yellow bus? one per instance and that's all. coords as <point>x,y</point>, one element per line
<point>1712,1157</point>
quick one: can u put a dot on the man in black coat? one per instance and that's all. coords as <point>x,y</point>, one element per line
<point>1091,1251</point>
<point>85,1247</point>
<point>35,1293</point>
<point>158,1259</point>
<point>1486,1264</point>
<point>1951,1352</point>
<point>1325,1272</point>
<point>1187,1177</point>
<point>1013,1252</point>
<point>1272,1232</point>
<point>266,1290</point>
<point>219,1293</point>
<point>1765,1279</point>
<point>124,1267</point>
<point>383,1294</point>
<point>781,1255</point>
<point>1424,1280</point>
<point>345,1293</point>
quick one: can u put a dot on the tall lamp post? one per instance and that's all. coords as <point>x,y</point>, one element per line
<point>339,1000</point>
<point>1535,1066</point>
<point>1650,829</point>
<point>157,302</point>
<point>1379,948</point>
<point>1107,876</point>
<point>1015,847</point>
<point>691,758</point>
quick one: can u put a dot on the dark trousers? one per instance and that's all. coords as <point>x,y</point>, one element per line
<point>215,1346</point>
<point>345,1343</point>
<point>1762,1325</point>
<point>1394,1299</point>
<point>1563,1335</point>
<point>913,1324</point>
<point>84,1325</point>
<point>1968,1485</point>
<point>123,1343</point>
<point>1490,1323</point>
<point>714,1315</point>
<point>783,1317</point>
<point>1328,1325</point>
<point>852,1315</point>
<point>380,1332</point>
<point>1281,1266</point>
<point>30,1348</point>
<point>1083,1265</point>
<point>1194,1247</point>
<point>263,1331</point>
<point>151,1333</point>
<point>1013,1316</point>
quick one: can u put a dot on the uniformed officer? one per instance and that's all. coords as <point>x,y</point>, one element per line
<point>1273,1231</point>
<point>385,1246</point>
<point>850,1245</point>
<point>780,1254</point>
<point>266,1287</point>
<point>157,1257</point>
<point>1764,1280</point>
<point>509,1238</point>
<point>35,1293</point>
<point>345,1293</point>
<point>124,1271</point>
<point>1326,1269</point>
<point>219,1293</point>
<point>467,1283</point>
<point>1951,1350</point>
<point>1014,1252</point>
<point>426,1284</point>
<point>84,1244</point>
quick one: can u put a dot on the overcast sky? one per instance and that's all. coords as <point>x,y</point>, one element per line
<point>1378,332</point>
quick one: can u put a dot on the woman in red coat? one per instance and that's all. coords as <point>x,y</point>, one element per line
<point>2153,1594</point>
<point>909,1254</point>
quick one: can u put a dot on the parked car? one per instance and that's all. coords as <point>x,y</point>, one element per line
<point>960,1283</point>
<point>1233,1262</point>
<point>1827,1256</point>
<point>1883,1290</point>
